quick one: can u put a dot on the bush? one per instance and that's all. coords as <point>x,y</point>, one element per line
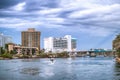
<point>12,52</point>
<point>62,55</point>
<point>118,53</point>
<point>6,55</point>
<point>43,55</point>
<point>18,55</point>
<point>25,56</point>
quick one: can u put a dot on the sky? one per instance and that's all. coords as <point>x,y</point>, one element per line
<point>94,23</point>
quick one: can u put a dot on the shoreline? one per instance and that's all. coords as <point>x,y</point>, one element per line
<point>1,58</point>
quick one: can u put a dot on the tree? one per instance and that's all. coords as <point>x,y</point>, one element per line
<point>2,51</point>
<point>12,52</point>
<point>6,46</point>
<point>118,52</point>
<point>42,51</point>
<point>63,54</point>
<point>7,55</point>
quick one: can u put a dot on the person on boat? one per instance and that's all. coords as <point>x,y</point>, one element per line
<point>52,59</point>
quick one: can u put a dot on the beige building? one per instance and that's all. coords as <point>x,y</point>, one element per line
<point>22,50</point>
<point>10,46</point>
<point>31,38</point>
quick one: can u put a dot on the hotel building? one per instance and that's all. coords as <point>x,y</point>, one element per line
<point>31,38</point>
<point>66,43</point>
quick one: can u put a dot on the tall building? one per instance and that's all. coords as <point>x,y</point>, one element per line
<point>66,43</point>
<point>4,40</point>
<point>31,38</point>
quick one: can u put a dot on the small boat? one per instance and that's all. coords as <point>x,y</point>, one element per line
<point>51,59</point>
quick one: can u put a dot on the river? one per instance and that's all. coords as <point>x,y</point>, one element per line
<point>82,68</point>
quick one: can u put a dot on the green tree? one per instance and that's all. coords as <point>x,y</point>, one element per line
<point>7,55</point>
<point>12,52</point>
<point>6,46</point>
<point>2,51</point>
<point>118,52</point>
<point>63,54</point>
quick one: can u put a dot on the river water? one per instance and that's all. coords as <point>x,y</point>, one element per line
<point>82,68</point>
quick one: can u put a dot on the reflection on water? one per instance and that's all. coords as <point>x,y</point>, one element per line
<point>30,60</point>
<point>31,71</point>
<point>117,71</point>
<point>69,60</point>
<point>81,68</point>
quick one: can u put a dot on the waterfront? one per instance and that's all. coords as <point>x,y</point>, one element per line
<point>82,68</point>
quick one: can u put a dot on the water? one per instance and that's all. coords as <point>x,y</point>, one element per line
<point>81,68</point>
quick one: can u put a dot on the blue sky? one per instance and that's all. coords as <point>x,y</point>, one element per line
<point>94,23</point>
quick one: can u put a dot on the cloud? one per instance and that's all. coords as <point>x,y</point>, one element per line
<point>19,6</point>
<point>95,12</point>
<point>94,17</point>
<point>50,11</point>
<point>4,4</point>
<point>40,4</point>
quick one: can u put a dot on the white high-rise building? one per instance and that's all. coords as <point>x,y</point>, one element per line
<point>4,40</point>
<point>48,44</point>
<point>66,43</point>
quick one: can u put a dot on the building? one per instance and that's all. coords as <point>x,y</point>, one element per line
<point>66,43</point>
<point>4,39</point>
<point>10,46</point>
<point>18,49</point>
<point>31,38</point>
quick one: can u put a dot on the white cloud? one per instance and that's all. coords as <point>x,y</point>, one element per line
<point>78,4</point>
<point>18,23</point>
<point>50,11</point>
<point>101,10</point>
<point>102,17</point>
<point>55,20</point>
<point>19,7</point>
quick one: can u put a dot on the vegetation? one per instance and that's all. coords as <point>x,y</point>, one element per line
<point>12,52</point>
<point>50,54</point>
<point>26,56</point>
<point>2,51</point>
<point>118,52</point>
<point>43,55</point>
<point>62,55</point>
<point>6,55</point>
<point>116,45</point>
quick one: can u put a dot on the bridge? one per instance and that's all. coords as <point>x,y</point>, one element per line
<point>93,53</point>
